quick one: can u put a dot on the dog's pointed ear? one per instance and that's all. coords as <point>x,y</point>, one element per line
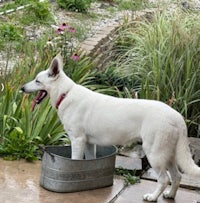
<point>60,60</point>
<point>56,66</point>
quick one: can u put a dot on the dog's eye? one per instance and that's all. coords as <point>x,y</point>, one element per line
<point>37,81</point>
<point>49,75</point>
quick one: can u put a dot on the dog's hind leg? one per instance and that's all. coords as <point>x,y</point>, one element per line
<point>157,162</point>
<point>90,151</point>
<point>162,182</point>
<point>176,178</point>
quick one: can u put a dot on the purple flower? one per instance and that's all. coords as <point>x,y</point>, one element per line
<point>76,57</point>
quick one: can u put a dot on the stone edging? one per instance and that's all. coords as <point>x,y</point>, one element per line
<point>17,9</point>
<point>96,45</point>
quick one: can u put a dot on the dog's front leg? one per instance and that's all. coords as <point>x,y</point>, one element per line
<point>78,145</point>
<point>90,151</point>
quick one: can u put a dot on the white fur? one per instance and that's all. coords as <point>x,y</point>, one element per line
<point>90,117</point>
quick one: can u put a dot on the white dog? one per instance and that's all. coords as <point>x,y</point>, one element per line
<point>90,117</point>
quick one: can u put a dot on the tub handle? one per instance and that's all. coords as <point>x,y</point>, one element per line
<point>43,149</point>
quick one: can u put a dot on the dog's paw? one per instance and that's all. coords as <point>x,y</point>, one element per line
<point>149,198</point>
<point>168,195</point>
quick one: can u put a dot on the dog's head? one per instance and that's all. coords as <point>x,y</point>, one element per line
<point>43,82</point>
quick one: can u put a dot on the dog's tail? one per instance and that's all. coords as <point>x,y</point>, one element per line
<point>184,157</point>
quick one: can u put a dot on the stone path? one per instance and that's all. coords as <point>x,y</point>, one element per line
<point>133,194</point>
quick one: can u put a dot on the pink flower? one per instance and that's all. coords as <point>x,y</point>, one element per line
<point>72,30</point>
<point>59,31</point>
<point>76,57</point>
<point>63,26</point>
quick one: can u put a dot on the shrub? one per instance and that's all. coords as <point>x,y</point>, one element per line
<point>10,32</point>
<point>38,13</point>
<point>75,5</point>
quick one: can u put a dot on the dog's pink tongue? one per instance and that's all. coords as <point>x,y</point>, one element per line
<point>36,100</point>
<point>33,105</point>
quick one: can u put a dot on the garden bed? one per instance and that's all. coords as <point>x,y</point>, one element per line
<point>87,25</point>
<point>152,57</point>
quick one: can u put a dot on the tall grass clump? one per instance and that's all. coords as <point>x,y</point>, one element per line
<point>162,57</point>
<point>22,131</point>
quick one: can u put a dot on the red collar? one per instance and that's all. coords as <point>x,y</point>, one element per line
<point>60,100</point>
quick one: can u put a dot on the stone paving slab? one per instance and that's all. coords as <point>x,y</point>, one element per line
<point>134,194</point>
<point>19,183</point>
<point>187,181</point>
<point>128,163</point>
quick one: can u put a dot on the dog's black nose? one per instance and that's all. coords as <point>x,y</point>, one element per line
<point>23,89</point>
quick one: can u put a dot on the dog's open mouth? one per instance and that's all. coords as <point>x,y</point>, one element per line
<point>39,98</point>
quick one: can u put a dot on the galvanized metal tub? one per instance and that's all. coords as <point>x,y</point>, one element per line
<point>62,174</point>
